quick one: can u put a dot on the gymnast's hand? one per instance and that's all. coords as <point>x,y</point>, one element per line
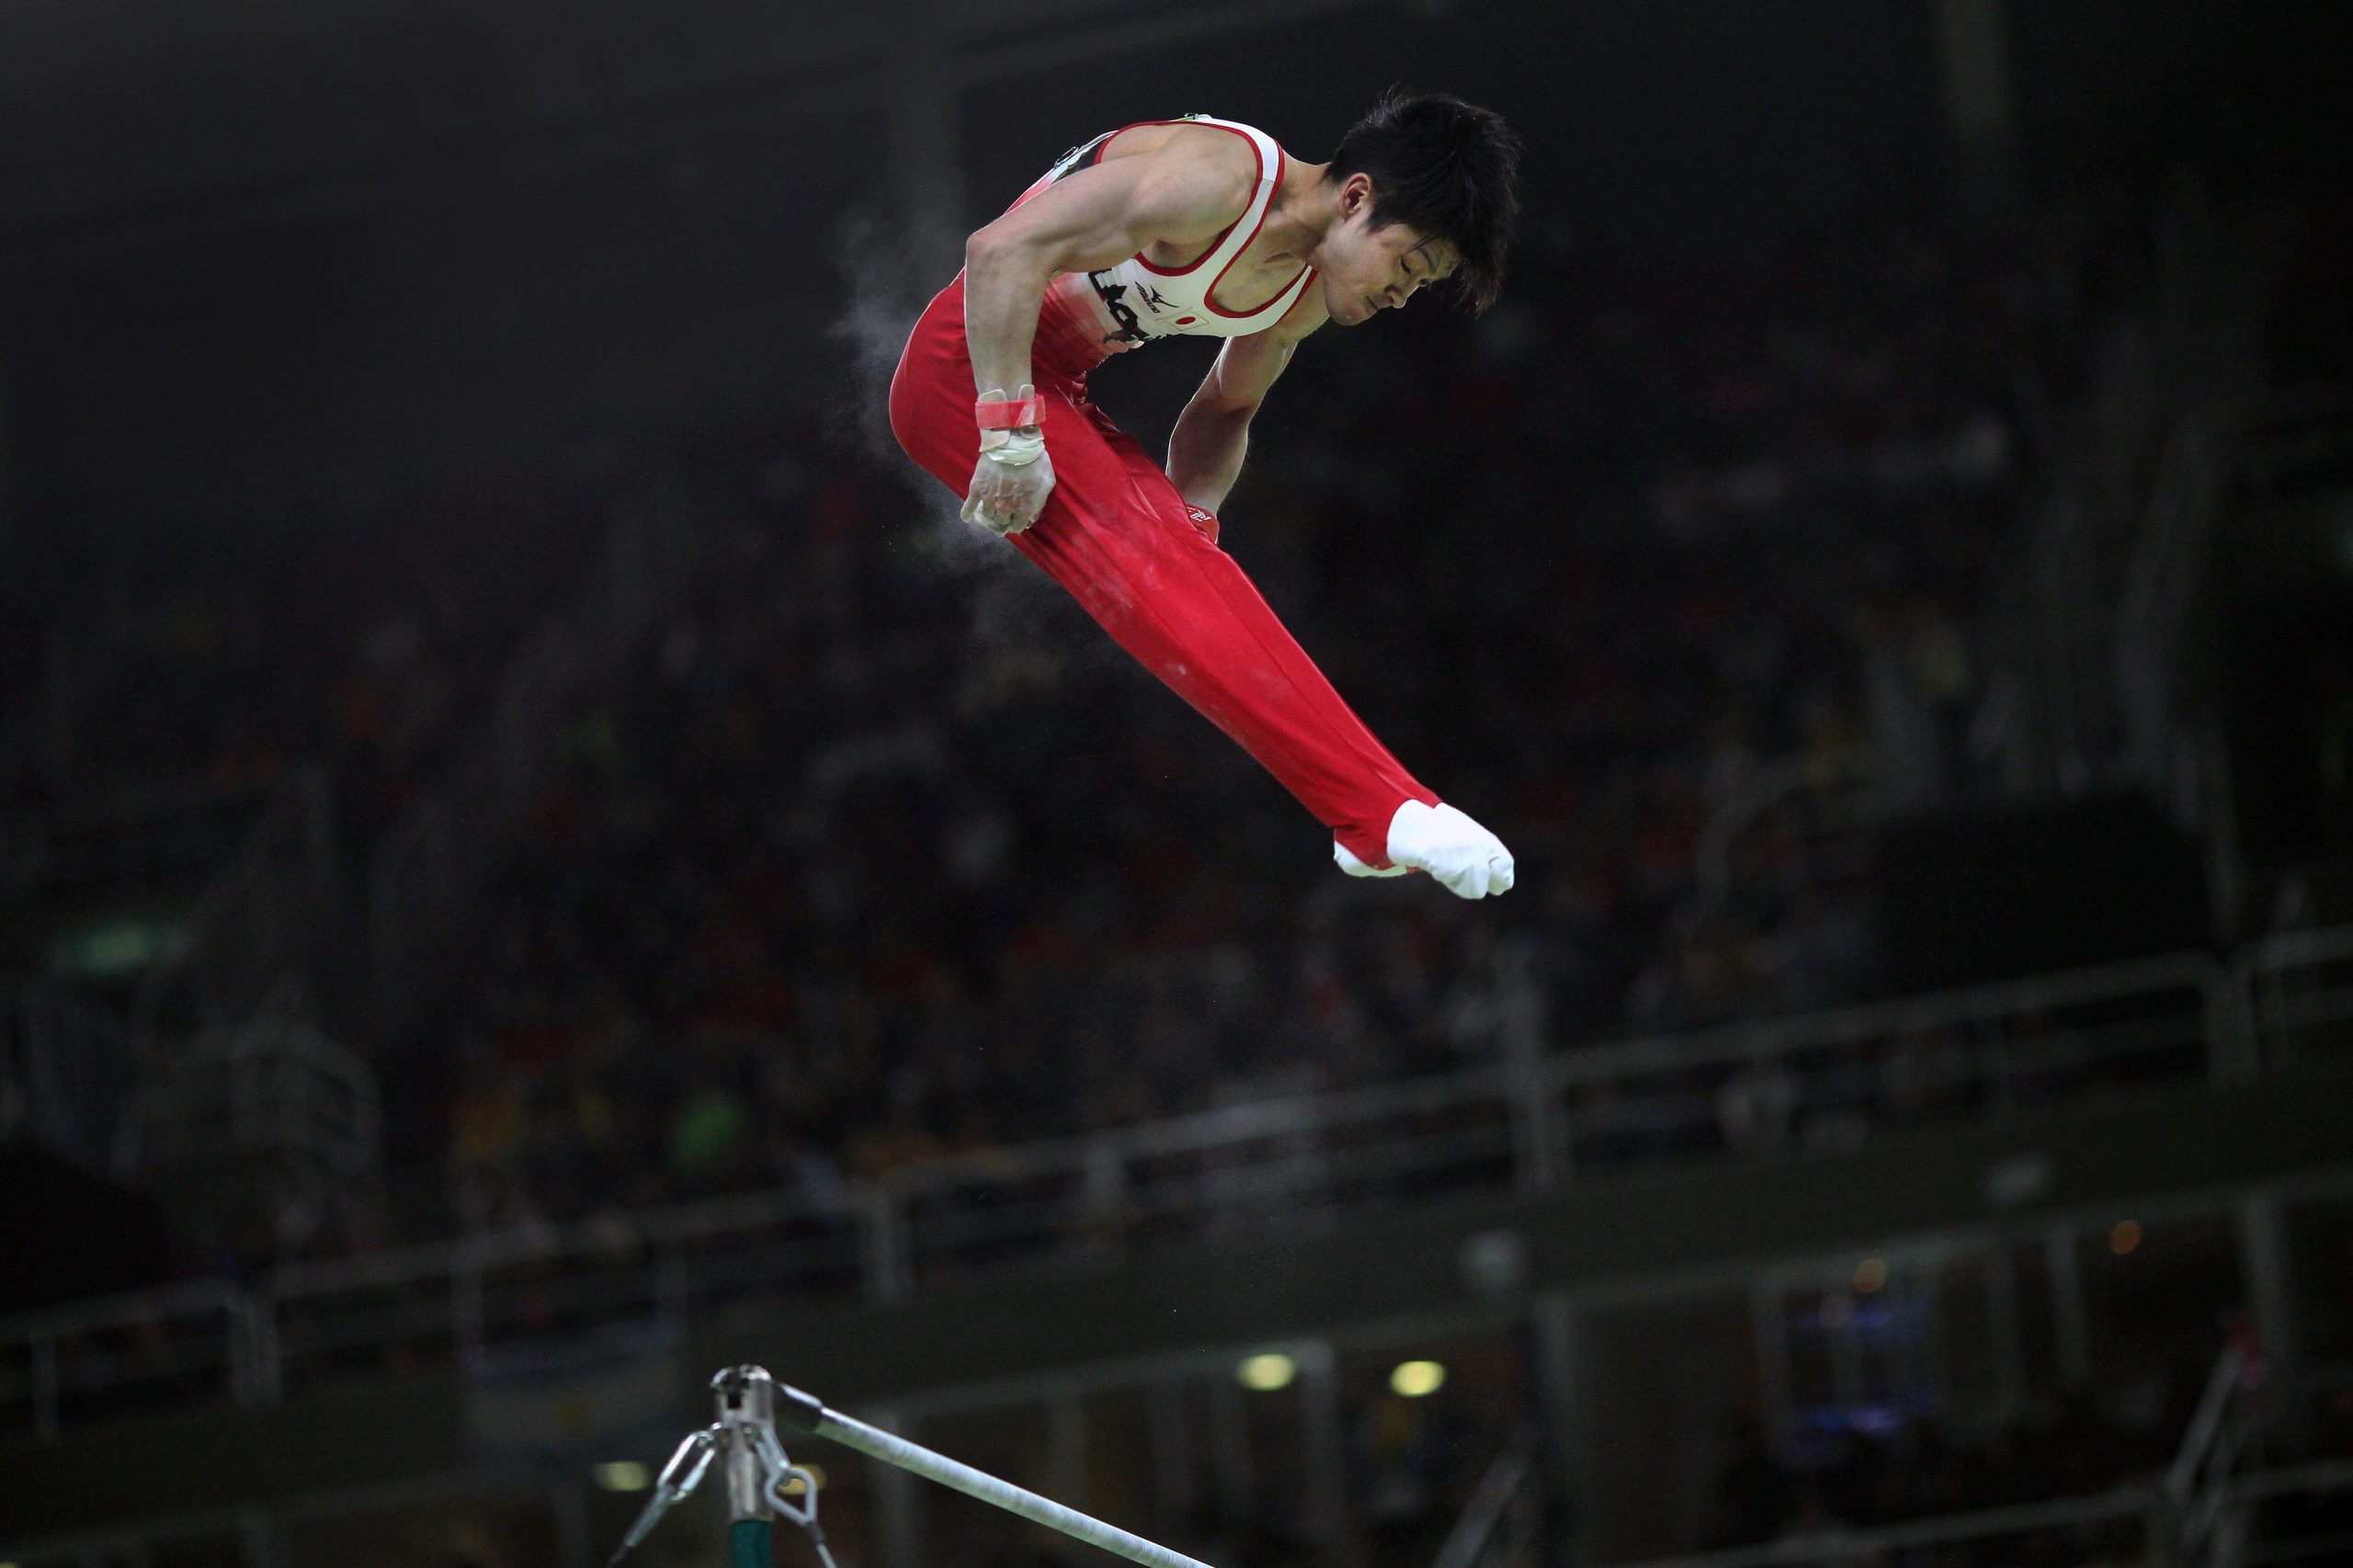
<point>1011,479</point>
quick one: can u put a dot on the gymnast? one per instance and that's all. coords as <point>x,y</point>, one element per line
<point>1203,227</point>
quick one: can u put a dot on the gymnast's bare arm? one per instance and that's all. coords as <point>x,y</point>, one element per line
<point>1182,192</point>
<point>1211,437</point>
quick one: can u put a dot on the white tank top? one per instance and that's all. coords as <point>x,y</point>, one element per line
<point>1128,305</point>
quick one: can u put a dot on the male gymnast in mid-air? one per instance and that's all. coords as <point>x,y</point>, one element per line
<point>1202,227</point>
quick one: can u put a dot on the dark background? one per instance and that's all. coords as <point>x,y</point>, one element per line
<point>279,275</point>
<point>344,354</point>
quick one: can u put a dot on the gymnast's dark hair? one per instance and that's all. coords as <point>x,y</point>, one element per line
<point>1448,169</point>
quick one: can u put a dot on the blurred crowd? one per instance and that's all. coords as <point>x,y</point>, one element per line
<point>221,655</point>
<point>880,851</point>
<point>1673,568</point>
<point>864,850</point>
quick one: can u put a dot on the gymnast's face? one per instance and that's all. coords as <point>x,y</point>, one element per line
<point>1367,270</point>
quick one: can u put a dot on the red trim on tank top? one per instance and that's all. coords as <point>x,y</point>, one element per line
<point>1209,295</point>
<point>1258,166</point>
<point>1258,162</point>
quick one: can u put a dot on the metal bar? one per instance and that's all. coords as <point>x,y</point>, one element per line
<point>1230,1455</point>
<point>1843,1342</point>
<point>2188,973</point>
<point>2333,1547</point>
<point>1485,1511</point>
<point>1768,1324</point>
<point>1540,1141</point>
<point>45,1390</point>
<point>2236,1047</point>
<point>1323,1449</point>
<point>2207,1423</point>
<point>1172,1454</point>
<point>2321,1475</point>
<point>886,1265</point>
<point>1066,1442</point>
<point>2262,1259</point>
<point>1556,1339</point>
<point>257,1539</point>
<point>2298,948</point>
<point>592,1239</point>
<point>2071,1324</point>
<point>810,1415</point>
<point>257,1528</point>
<point>568,1504</point>
<point>2009,1339</point>
<point>469,1322</point>
<point>898,1502</point>
<point>1256,1121</point>
<point>120,1307</point>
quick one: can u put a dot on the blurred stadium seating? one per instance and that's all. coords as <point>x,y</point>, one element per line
<point>465,982</point>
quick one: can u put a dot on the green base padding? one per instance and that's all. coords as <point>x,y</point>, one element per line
<point>748,1544</point>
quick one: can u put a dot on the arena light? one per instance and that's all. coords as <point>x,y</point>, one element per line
<point>623,1475</point>
<point>2124,1237</point>
<point>1264,1374</point>
<point>1415,1379</point>
<point>792,1487</point>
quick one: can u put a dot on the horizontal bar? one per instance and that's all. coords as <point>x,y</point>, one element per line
<point>809,1414</point>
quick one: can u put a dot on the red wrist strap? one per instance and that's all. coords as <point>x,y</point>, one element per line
<point>1010,414</point>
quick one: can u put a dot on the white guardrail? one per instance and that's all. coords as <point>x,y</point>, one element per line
<point>2192,1515</point>
<point>2122,1526</point>
<point>1744,1091</point>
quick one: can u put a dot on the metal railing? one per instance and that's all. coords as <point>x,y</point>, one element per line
<point>247,1536</point>
<point>1745,1091</point>
<point>2196,1488</point>
<point>2212,1497</point>
<point>186,1343</point>
<point>2297,988</point>
<point>255,1535</point>
<point>2237,1550</point>
<point>270,1084</point>
<point>69,1076</point>
<point>267,913</point>
<point>162,828</point>
<point>269,864</point>
<point>1503,1518</point>
<point>2089,621</point>
<point>2126,1511</point>
<point>1837,1074</point>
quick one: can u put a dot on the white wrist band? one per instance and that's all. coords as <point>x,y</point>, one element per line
<point>1018,449</point>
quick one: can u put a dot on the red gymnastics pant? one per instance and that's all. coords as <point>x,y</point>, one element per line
<point>1117,535</point>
